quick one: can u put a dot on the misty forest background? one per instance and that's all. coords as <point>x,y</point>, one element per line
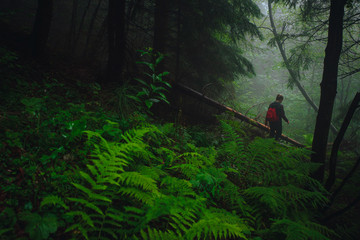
<point>101,138</point>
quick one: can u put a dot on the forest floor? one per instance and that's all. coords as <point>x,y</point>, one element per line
<point>162,178</point>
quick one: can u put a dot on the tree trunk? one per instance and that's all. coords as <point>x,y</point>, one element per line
<point>82,21</point>
<point>344,181</point>
<point>116,40</point>
<point>160,25</point>
<point>333,157</point>
<point>41,29</point>
<point>328,86</point>
<point>293,74</point>
<point>72,28</point>
<point>90,29</point>
<point>136,7</point>
<point>178,42</point>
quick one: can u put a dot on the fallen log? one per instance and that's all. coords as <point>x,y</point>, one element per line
<point>237,114</point>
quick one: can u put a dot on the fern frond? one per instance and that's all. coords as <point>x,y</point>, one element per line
<point>166,155</point>
<point>189,170</point>
<point>296,230</point>
<point>177,187</point>
<point>137,135</point>
<point>53,200</point>
<point>93,184</point>
<point>136,151</point>
<point>91,194</point>
<point>86,204</point>
<point>218,225</point>
<point>154,234</point>
<point>144,197</point>
<point>152,172</point>
<point>109,231</point>
<point>84,216</point>
<point>322,229</point>
<point>179,212</point>
<point>208,155</point>
<point>78,227</point>
<point>138,180</point>
<point>268,196</point>
<point>297,196</point>
<point>130,209</point>
<point>230,197</point>
<point>134,217</point>
<point>193,158</point>
<point>233,137</point>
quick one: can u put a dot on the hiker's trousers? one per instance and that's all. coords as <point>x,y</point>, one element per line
<point>276,129</point>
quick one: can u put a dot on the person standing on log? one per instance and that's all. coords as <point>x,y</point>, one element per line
<point>274,117</point>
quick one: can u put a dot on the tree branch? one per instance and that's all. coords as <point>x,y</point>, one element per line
<point>334,151</point>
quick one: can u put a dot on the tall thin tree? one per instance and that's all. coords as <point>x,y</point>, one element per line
<point>41,28</point>
<point>160,25</point>
<point>328,86</point>
<point>116,40</point>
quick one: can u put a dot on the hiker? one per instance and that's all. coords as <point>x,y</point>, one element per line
<point>274,115</point>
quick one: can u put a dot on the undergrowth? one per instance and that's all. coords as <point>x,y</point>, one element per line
<point>71,170</point>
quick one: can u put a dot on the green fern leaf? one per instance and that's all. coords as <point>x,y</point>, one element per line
<point>189,170</point>
<point>296,230</point>
<point>268,196</point>
<point>153,234</point>
<point>86,204</point>
<point>78,227</point>
<point>138,180</point>
<point>92,182</point>
<point>213,227</point>
<point>152,172</point>
<point>84,217</point>
<point>53,200</point>
<point>176,186</point>
<point>91,194</point>
<point>142,196</point>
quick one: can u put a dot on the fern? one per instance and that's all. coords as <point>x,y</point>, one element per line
<point>153,234</point>
<point>301,230</point>
<point>300,197</point>
<point>153,172</point>
<point>180,211</point>
<point>142,188</point>
<point>188,170</point>
<point>177,187</point>
<point>106,182</point>
<point>275,181</point>
<point>137,194</point>
<point>230,199</point>
<point>268,197</point>
<point>53,200</point>
<point>138,180</point>
<point>218,224</point>
<point>87,204</point>
<point>233,138</point>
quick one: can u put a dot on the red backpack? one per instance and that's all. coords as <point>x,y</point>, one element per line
<point>271,115</point>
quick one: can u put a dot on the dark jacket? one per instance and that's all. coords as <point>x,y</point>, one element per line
<point>279,110</point>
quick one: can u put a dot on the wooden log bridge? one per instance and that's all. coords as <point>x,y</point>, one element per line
<point>237,114</point>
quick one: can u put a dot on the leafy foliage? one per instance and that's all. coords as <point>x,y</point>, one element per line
<point>276,182</point>
<point>154,88</point>
<point>75,171</point>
